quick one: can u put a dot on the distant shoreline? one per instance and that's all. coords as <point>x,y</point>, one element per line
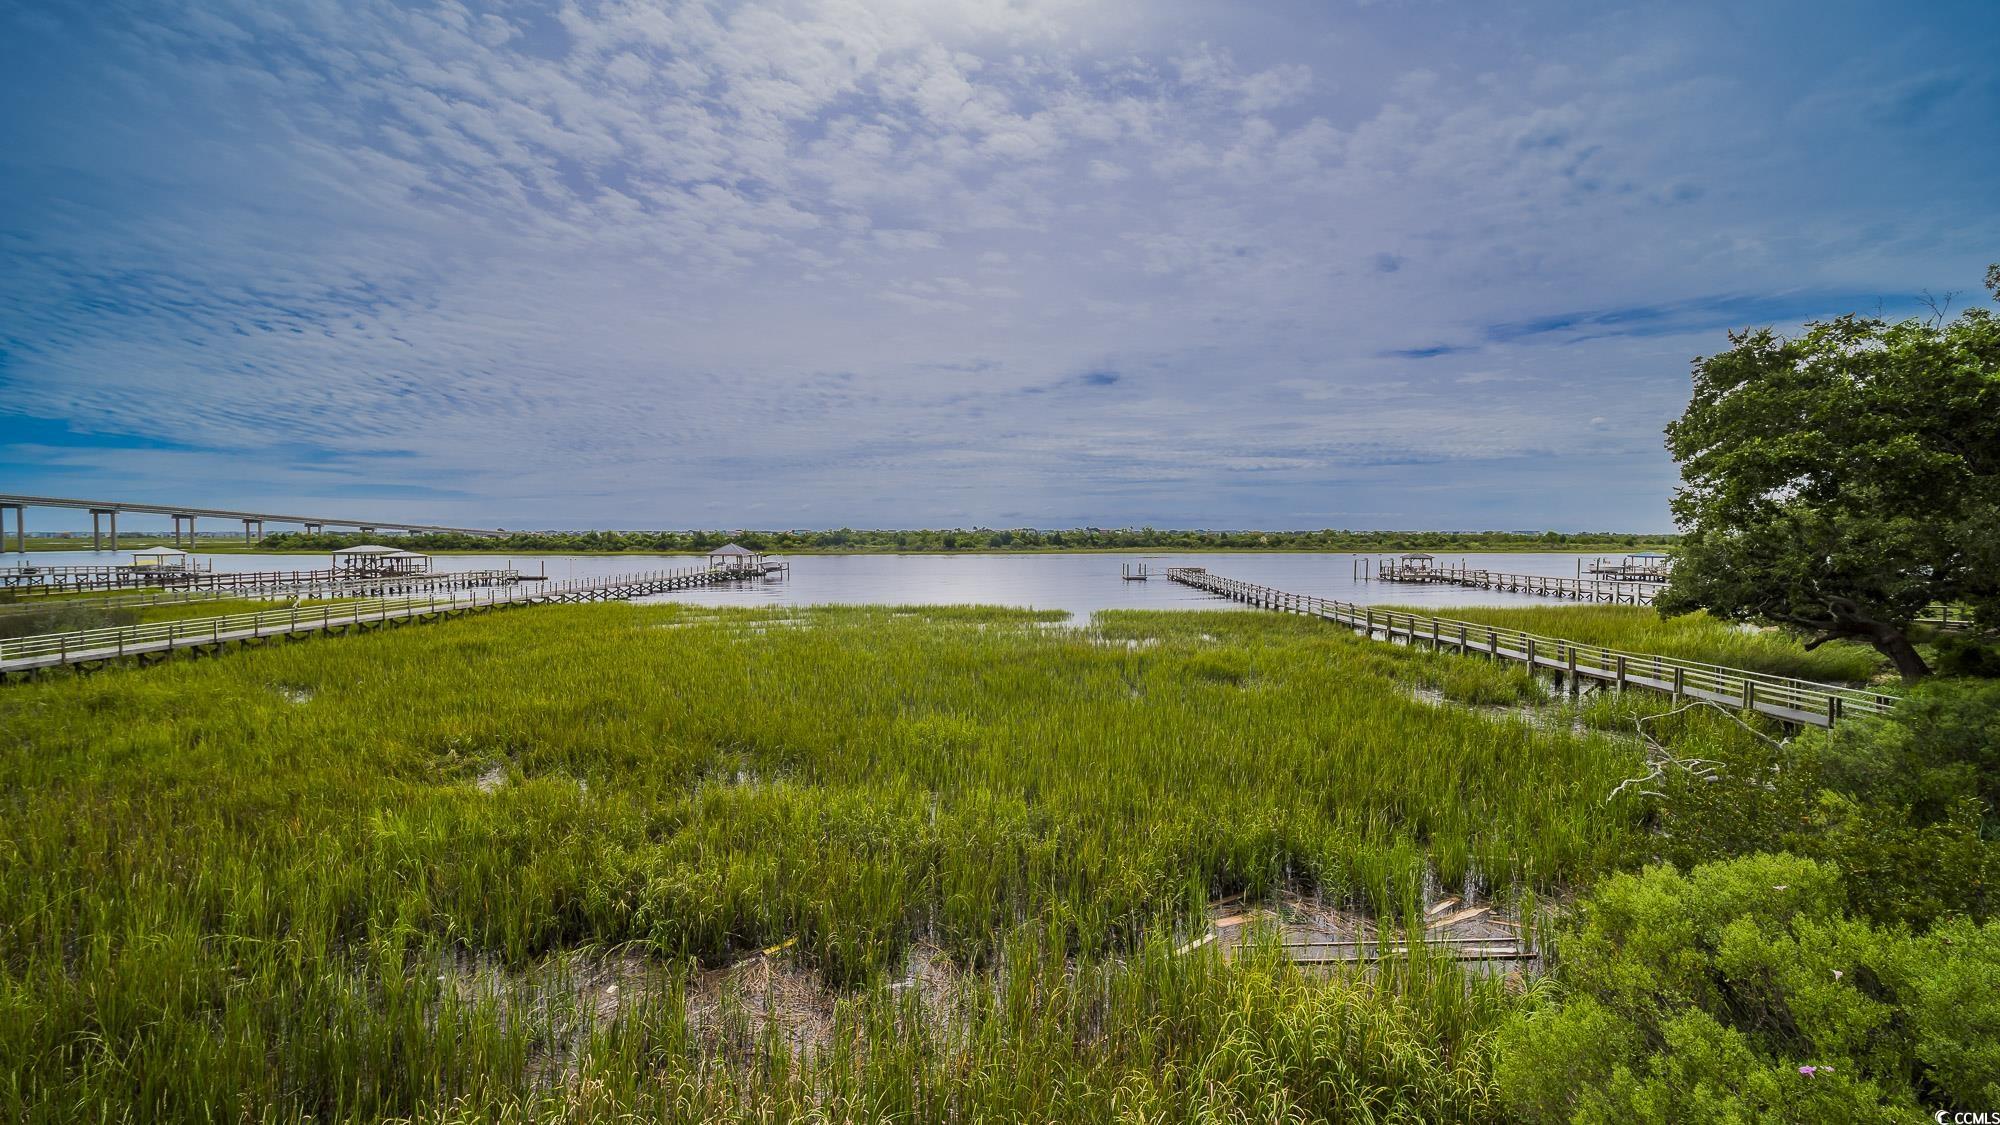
<point>128,544</point>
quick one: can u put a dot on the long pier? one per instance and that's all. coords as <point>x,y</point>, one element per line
<point>96,647</point>
<point>55,581</point>
<point>1781,697</point>
<point>1612,590</point>
<point>379,586</point>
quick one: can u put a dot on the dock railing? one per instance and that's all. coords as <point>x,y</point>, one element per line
<point>1782,697</point>
<point>1618,591</point>
<point>384,586</point>
<point>84,645</point>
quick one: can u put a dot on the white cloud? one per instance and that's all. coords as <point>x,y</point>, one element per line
<point>861,242</point>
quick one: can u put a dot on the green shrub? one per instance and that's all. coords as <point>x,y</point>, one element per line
<point>1744,991</point>
<point>1952,985</point>
<point>1905,807</point>
<point>1961,655</point>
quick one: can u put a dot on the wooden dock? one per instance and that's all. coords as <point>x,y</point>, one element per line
<point>1612,590</point>
<point>95,647</point>
<point>1634,568</point>
<point>44,581</point>
<point>377,586</point>
<point>1780,697</point>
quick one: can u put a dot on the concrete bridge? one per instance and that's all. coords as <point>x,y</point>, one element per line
<point>253,522</point>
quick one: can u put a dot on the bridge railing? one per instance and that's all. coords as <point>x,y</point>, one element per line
<point>114,640</point>
<point>1743,687</point>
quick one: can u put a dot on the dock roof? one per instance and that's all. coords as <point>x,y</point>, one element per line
<point>733,550</point>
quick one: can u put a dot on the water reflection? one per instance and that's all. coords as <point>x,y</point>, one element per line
<point>1078,583</point>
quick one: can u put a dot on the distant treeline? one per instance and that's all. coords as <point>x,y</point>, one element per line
<point>989,539</point>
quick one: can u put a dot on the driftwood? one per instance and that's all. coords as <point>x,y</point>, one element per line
<point>1660,760</point>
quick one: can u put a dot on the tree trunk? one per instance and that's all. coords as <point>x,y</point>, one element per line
<point>1893,644</point>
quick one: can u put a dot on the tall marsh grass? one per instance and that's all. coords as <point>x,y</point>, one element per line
<point>1694,636</point>
<point>246,888</point>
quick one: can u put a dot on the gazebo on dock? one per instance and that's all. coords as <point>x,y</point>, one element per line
<point>735,556</point>
<point>372,560</point>
<point>1416,560</point>
<point>1649,564</point>
<point>161,558</point>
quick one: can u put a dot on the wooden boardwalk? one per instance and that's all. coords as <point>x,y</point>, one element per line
<point>1947,618</point>
<point>94,647</point>
<point>1614,591</point>
<point>45,581</point>
<point>266,587</point>
<point>1781,697</point>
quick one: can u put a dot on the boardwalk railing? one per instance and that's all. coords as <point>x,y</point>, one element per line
<point>1618,591</point>
<point>376,587</point>
<point>86,646</point>
<point>50,581</point>
<point>1792,700</point>
<point>1946,617</point>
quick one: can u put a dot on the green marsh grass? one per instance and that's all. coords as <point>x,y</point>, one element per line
<point>68,615</point>
<point>249,887</point>
<point>1694,636</point>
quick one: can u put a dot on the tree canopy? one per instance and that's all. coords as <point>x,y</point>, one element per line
<point>1844,480</point>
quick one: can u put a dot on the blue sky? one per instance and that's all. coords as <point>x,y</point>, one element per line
<point>947,262</point>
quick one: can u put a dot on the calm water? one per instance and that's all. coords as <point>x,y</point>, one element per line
<point>1078,583</point>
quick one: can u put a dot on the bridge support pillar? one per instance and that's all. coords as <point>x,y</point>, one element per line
<point>97,531</point>
<point>20,526</point>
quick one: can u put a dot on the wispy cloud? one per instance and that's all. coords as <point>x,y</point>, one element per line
<point>1680,318</point>
<point>891,261</point>
<point>1431,352</point>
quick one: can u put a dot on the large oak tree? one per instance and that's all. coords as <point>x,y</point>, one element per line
<point>1843,480</point>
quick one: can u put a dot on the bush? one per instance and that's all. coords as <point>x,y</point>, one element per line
<point>1743,990</point>
<point>1961,655</point>
<point>1904,807</point>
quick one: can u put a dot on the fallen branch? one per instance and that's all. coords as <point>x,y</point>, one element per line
<point>1659,759</point>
